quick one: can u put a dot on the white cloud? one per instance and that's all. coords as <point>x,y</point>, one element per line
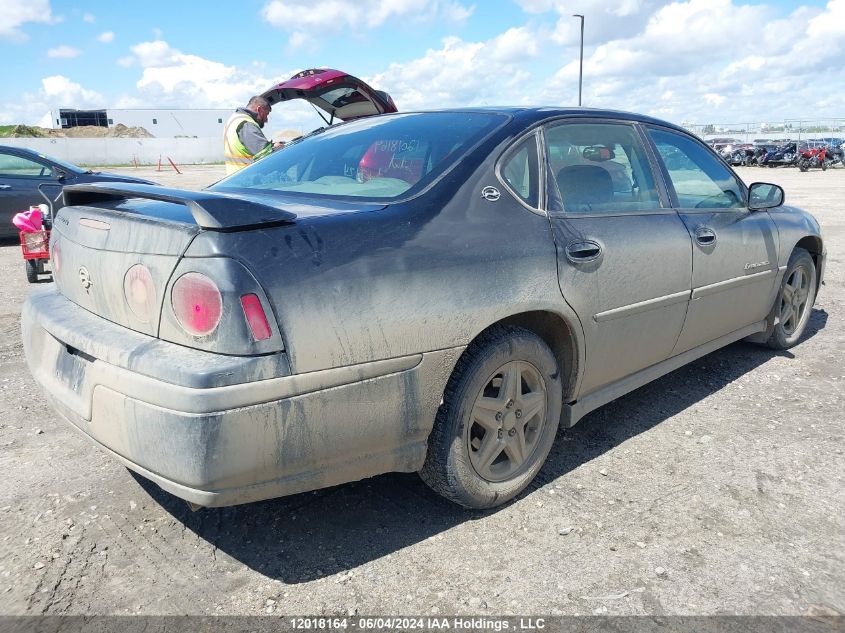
<point>515,44</point>
<point>171,77</point>
<point>56,91</point>
<point>18,12</point>
<point>106,37</point>
<point>62,92</point>
<point>457,74</point>
<point>89,18</point>
<point>830,23</point>
<point>690,59</point>
<point>157,53</point>
<point>301,18</point>
<point>300,40</point>
<point>456,12</point>
<point>63,51</point>
<point>701,51</point>
<point>714,99</point>
<point>753,63</point>
<point>603,19</point>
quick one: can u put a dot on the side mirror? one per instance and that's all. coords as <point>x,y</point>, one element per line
<point>762,195</point>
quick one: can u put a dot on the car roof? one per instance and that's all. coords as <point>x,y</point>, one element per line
<point>21,150</point>
<point>528,114</point>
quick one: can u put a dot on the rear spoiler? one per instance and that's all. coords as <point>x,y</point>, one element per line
<point>211,210</point>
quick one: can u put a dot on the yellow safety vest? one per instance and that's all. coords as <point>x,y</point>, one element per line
<point>236,154</point>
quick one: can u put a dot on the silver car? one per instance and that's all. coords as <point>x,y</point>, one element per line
<point>434,292</point>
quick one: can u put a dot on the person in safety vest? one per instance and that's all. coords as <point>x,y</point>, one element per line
<point>243,141</point>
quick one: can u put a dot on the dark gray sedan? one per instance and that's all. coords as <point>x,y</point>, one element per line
<point>30,178</point>
<point>432,292</point>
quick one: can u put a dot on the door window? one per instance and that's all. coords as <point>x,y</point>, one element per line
<point>12,165</point>
<point>521,173</point>
<point>601,168</point>
<point>700,179</point>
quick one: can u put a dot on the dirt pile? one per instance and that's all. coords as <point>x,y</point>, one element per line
<point>95,131</point>
<point>83,131</point>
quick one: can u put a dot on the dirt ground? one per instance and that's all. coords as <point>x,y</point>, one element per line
<point>717,489</point>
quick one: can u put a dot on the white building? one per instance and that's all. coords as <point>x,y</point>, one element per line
<point>161,123</point>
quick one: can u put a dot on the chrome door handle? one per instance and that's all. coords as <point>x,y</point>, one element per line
<point>5,187</point>
<point>583,251</point>
<point>705,236</point>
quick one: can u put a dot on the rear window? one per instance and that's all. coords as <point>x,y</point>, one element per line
<point>374,158</point>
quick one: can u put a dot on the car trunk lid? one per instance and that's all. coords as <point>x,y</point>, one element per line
<point>106,230</point>
<point>343,97</point>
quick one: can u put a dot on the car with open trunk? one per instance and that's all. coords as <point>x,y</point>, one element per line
<point>430,291</point>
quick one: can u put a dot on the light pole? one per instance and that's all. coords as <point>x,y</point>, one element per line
<point>581,63</point>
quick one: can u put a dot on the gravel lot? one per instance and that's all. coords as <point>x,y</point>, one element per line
<point>717,489</point>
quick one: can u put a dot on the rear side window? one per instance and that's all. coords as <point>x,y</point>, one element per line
<point>375,158</point>
<point>700,179</point>
<point>601,168</point>
<point>520,172</point>
<point>12,165</point>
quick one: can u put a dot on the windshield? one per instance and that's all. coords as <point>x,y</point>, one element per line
<point>63,164</point>
<point>376,158</point>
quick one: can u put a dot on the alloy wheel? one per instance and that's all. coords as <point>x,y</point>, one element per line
<point>794,298</point>
<point>506,421</point>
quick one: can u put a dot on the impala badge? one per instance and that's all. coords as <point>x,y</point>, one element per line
<point>756,265</point>
<point>490,193</point>
<point>85,277</point>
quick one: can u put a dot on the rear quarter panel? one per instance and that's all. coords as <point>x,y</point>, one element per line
<point>427,274</point>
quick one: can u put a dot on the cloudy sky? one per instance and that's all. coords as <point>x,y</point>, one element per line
<point>702,61</point>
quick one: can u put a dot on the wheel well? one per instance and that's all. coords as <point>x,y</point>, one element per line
<point>557,333</point>
<point>812,245</point>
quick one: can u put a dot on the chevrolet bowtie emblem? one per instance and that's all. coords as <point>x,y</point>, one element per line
<point>85,277</point>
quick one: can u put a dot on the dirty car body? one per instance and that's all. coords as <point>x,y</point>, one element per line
<point>429,292</point>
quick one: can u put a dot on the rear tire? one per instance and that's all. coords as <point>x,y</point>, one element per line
<point>795,300</point>
<point>32,271</point>
<point>498,420</point>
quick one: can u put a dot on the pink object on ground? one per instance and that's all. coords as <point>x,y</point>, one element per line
<point>28,221</point>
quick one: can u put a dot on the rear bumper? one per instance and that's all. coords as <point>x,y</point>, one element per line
<point>220,430</point>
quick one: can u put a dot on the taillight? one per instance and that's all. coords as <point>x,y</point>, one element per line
<point>197,304</point>
<point>55,255</point>
<point>140,293</point>
<point>255,317</point>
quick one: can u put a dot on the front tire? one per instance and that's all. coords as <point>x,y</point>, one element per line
<point>795,300</point>
<point>498,420</point>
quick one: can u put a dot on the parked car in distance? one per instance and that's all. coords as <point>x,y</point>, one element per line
<point>23,171</point>
<point>432,292</point>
